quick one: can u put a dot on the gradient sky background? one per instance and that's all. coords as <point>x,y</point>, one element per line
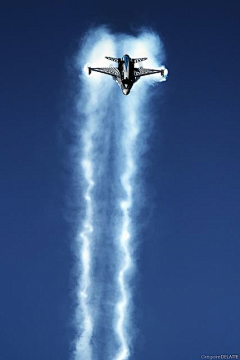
<point>188,293</point>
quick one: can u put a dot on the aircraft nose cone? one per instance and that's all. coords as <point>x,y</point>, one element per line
<point>126,91</point>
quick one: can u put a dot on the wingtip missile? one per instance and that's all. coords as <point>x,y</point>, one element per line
<point>87,69</point>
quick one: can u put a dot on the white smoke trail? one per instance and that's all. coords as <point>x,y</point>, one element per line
<point>134,123</point>
<point>126,262</point>
<point>92,111</point>
<point>129,121</point>
<point>83,345</point>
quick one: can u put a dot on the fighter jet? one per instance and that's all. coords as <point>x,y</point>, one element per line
<point>126,74</point>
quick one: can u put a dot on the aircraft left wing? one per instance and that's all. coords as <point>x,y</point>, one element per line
<point>106,70</point>
<point>143,72</point>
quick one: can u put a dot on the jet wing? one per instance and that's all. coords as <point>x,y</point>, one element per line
<point>108,71</point>
<point>143,72</point>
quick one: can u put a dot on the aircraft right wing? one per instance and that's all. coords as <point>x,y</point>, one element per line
<point>106,70</point>
<point>143,72</point>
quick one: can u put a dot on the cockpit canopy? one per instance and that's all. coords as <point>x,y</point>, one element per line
<point>126,59</point>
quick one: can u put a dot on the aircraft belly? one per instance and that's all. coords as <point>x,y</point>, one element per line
<point>126,74</point>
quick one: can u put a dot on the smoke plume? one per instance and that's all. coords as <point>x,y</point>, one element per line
<point>111,133</point>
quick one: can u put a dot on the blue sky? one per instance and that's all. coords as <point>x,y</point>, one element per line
<point>187,300</point>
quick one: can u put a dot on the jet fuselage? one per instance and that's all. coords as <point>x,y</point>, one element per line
<point>126,69</point>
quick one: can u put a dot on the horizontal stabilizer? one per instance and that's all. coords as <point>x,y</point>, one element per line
<point>112,59</point>
<point>138,60</point>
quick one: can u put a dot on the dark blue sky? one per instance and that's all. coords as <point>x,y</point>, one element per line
<point>188,296</point>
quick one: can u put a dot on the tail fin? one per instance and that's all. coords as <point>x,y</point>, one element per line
<point>138,60</point>
<point>112,59</point>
